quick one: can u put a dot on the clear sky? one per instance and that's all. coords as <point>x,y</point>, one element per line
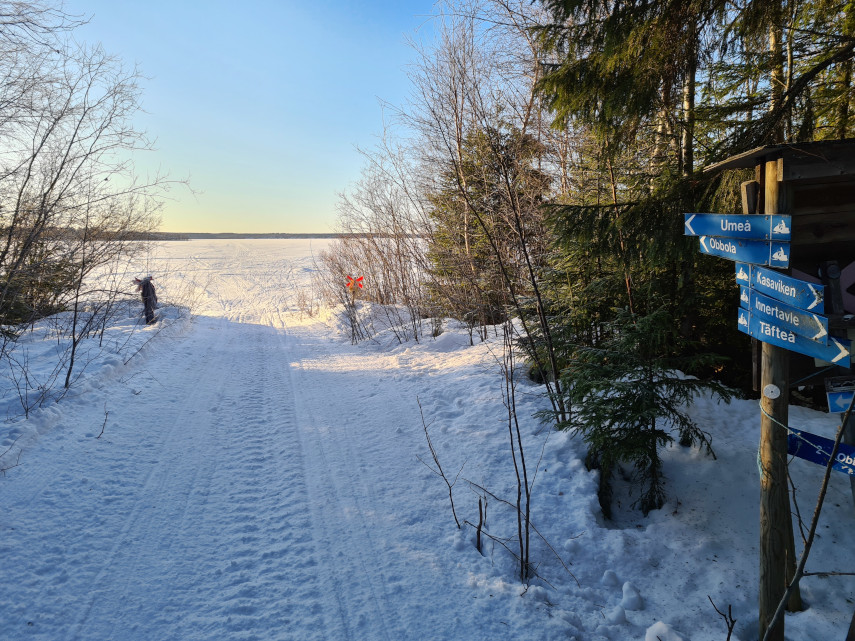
<point>260,103</point>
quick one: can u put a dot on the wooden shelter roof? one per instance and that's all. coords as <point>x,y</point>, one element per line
<point>821,160</point>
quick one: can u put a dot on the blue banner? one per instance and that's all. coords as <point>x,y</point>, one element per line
<point>788,317</point>
<point>759,252</point>
<point>795,292</point>
<point>837,351</point>
<point>817,449</point>
<point>757,227</point>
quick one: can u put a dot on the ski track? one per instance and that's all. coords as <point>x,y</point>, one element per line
<point>223,504</point>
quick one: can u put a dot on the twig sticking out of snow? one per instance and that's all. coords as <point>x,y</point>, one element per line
<point>729,621</point>
<point>106,414</point>
<point>438,471</point>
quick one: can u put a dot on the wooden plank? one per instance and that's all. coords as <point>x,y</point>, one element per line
<point>829,161</point>
<point>815,171</point>
<point>823,228</point>
<point>756,363</point>
<point>820,237</point>
<point>825,197</point>
<point>751,204</point>
<point>806,258</point>
<point>840,219</point>
<point>750,191</point>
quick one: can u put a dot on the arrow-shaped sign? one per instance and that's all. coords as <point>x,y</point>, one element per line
<point>757,227</point>
<point>762,252</point>
<point>839,401</point>
<point>837,350</point>
<point>818,449</point>
<point>795,292</point>
<point>792,318</point>
<point>844,351</point>
<point>839,390</point>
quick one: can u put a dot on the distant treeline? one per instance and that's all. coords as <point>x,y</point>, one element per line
<point>126,235</point>
<point>206,236</point>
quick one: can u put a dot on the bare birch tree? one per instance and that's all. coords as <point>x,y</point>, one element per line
<point>70,203</point>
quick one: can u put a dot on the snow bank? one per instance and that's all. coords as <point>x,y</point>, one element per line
<point>258,477</point>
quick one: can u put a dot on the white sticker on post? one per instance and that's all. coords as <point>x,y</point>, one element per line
<point>771,391</point>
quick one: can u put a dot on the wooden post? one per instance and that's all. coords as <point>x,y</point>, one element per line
<point>750,190</point>
<point>795,602</point>
<point>774,498</point>
<point>750,202</point>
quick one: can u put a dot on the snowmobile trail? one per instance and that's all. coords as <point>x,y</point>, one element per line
<point>203,526</point>
<point>234,494</point>
<point>371,499</point>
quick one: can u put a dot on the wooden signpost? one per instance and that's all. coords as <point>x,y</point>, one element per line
<point>775,520</point>
<point>800,211</point>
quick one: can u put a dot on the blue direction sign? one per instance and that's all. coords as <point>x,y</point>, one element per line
<point>836,351</point>
<point>788,317</point>
<point>757,227</point>
<point>762,252</point>
<point>795,292</point>
<point>839,390</point>
<point>817,449</point>
<point>839,401</point>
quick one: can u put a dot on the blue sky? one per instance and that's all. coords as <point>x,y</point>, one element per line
<point>261,103</point>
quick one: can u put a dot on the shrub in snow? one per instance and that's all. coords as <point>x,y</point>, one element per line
<point>629,398</point>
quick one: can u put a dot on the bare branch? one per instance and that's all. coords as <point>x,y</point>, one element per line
<point>106,414</point>
<point>729,621</point>
<point>438,471</point>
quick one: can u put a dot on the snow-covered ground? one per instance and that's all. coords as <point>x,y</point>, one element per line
<point>247,473</point>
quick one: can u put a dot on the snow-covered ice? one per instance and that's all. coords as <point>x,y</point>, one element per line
<point>258,477</point>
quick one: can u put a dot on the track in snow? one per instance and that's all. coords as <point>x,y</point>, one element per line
<point>250,484</point>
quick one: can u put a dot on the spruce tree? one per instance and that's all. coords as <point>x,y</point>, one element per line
<point>629,397</point>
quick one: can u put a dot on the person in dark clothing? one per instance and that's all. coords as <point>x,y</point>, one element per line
<point>149,297</point>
